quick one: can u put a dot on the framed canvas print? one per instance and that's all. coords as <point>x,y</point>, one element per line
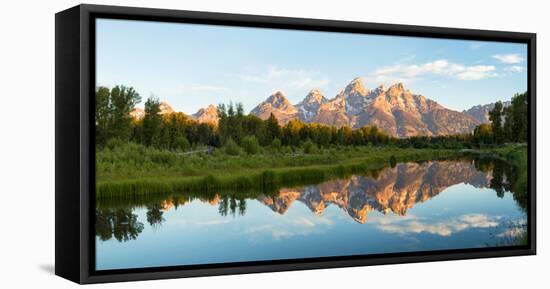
<point>193,144</point>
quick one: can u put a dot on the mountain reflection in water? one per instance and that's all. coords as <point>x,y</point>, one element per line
<point>392,190</point>
<point>395,190</point>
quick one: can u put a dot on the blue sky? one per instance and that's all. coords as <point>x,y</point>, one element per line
<point>191,65</point>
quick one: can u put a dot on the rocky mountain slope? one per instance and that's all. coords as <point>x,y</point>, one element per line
<point>207,115</point>
<point>277,104</point>
<point>395,110</point>
<point>139,113</point>
<point>481,112</point>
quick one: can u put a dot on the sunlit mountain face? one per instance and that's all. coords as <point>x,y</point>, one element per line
<point>395,110</point>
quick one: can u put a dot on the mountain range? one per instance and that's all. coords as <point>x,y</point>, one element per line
<point>481,112</point>
<point>164,107</point>
<point>395,110</point>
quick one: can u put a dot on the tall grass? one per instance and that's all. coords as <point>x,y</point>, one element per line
<point>132,170</point>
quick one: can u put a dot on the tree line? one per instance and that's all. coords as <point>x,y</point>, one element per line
<point>235,130</point>
<point>177,131</point>
<point>234,126</point>
<point>172,131</point>
<point>510,124</point>
<point>507,124</point>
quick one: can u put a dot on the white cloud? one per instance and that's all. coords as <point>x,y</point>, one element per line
<point>476,72</point>
<point>443,228</point>
<point>289,227</point>
<point>514,68</point>
<point>513,232</point>
<point>442,67</point>
<point>290,78</point>
<point>509,58</point>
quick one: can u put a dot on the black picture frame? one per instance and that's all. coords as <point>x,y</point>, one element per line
<point>74,137</point>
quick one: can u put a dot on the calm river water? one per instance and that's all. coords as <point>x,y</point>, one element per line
<point>409,207</point>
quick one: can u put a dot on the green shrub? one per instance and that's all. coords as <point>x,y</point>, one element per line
<point>114,143</point>
<point>231,148</point>
<point>276,145</point>
<point>250,145</point>
<point>181,143</point>
<point>162,157</point>
<point>287,150</point>
<point>310,147</point>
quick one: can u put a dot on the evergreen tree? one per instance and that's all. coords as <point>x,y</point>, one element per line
<point>519,118</point>
<point>253,125</point>
<point>205,134</point>
<point>250,144</point>
<point>175,131</point>
<point>273,130</point>
<point>495,115</point>
<point>240,109</point>
<point>222,123</point>
<point>152,122</point>
<point>507,126</point>
<point>164,138</point>
<point>325,136</point>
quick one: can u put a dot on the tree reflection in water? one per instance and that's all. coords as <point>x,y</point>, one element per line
<point>154,215</point>
<point>505,178</point>
<point>232,205</point>
<point>122,224</point>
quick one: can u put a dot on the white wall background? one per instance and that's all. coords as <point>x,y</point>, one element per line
<point>27,143</point>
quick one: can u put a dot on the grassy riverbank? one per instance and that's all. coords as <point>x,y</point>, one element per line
<point>133,170</point>
<point>130,170</point>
